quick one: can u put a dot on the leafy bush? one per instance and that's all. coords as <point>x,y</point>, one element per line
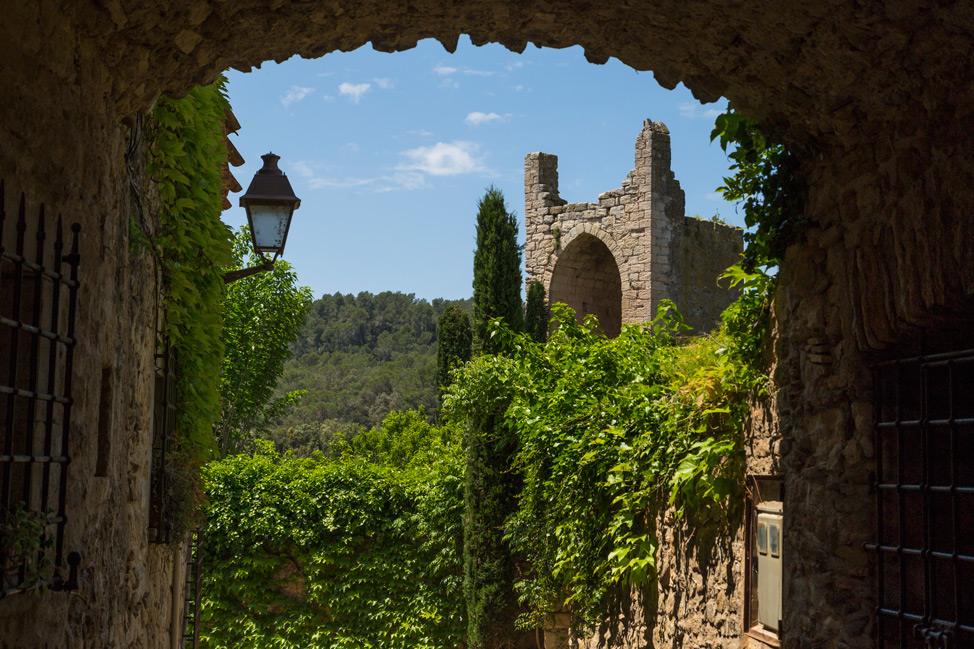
<point>610,432</point>
<point>263,315</point>
<point>359,551</point>
<point>768,181</point>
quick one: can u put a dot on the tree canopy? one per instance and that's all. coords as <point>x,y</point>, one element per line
<point>263,315</point>
<point>496,268</point>
<point>455,339</point>
<point>360,357</point>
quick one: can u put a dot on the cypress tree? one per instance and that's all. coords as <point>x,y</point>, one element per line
<point>496,269</point>
<point>453,343</point>
<point>491,487</point>
<point>536,313</point>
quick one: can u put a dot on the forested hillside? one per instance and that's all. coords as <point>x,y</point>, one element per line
<point>359,358</point>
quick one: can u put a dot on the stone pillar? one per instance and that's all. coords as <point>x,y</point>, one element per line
<point>541,180</point>
<point>655,203</point>
<point>540,196</point>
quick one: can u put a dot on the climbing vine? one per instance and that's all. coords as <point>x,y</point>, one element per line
<point>187,158</point>
<point>610,433</point>
<point>359,551</point>
<point>187,155</point>
<point>767,182</point>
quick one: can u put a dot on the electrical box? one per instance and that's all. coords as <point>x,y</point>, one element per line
<point>769,547</point>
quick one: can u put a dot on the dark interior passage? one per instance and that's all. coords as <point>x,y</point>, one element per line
<point>586,278</point>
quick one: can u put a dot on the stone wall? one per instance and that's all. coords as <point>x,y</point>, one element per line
<point>61,145</point>
<point>636,237</point>
<point>698,598</point>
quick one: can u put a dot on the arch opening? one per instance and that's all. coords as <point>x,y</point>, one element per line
<point>586,278</point>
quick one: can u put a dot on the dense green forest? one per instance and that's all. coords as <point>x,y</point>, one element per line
<point>360,358</point>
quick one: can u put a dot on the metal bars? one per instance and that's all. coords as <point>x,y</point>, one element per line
<point>163,442</point>
<point>924,486</point>
<point>192,597</point>
<point>38,305</point>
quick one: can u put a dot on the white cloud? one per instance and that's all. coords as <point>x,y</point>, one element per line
<point>477,118</point>
<point>447,70</point>
<point>385,83</point>
<point>295,94</point>
<point>407,180</point>
<point>518,88</point>
<point>325,74</point>
<point>301,168</point>
<point>398,180</point>
<point>418,167</point>
<point>354,91</point>
<point>443,159</point>
<point>419,132</point>
<point>690,110</point>
<point>342,183</point>
<point>514,66</point>
<point>328,98</point>
<point>714,196</point>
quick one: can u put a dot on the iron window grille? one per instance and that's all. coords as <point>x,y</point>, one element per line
<point>38,305</point>
<point>163,442</point>
<point>192,597</point>
<point>924,546</point>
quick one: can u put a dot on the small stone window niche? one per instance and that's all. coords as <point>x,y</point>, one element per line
<point>765,545</point>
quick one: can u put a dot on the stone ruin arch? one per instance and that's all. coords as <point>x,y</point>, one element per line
<point>586,277</point>
<point>620,257</point>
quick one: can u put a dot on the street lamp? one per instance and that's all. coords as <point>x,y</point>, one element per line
<point>270,202</point>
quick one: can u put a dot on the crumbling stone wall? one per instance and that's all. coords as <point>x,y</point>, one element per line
<point>621,257</point>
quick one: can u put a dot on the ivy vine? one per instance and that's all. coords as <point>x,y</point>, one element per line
<point>187,155</point>
<point>767,182</point>
<point>611,432</point>
<point>359,551</point>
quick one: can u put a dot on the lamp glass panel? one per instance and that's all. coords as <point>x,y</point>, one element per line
<point>270,224</point>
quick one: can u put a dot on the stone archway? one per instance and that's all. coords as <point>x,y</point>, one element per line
<point>791,66</point>
<point>586,278</point>
<point>876,98</point>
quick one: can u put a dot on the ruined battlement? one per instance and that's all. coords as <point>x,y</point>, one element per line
<point>619,257</point>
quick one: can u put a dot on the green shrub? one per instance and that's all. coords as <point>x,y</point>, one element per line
<point>359,551</point>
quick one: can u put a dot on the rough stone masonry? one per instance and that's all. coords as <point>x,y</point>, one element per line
<point>620,257</point>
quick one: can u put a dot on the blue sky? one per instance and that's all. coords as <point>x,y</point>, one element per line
<point>389,153</point>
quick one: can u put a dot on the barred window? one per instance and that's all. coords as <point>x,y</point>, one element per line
<point>924,545</point>
<point>38,302</point>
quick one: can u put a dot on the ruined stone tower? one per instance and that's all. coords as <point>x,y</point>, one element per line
<point>620,257</point>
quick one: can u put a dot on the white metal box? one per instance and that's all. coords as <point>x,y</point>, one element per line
<point>769,548</point>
